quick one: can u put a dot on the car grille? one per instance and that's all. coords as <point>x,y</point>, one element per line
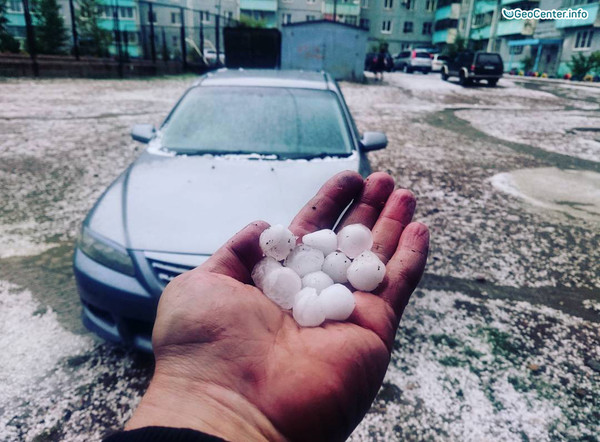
<point>166,271</point>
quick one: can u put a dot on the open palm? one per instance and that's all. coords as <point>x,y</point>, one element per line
<point>220,343</point>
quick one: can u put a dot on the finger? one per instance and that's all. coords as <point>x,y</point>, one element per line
<point>375,314</point>
<point>324,209</point>
<point>367,207</point>
<point>405,268</point>
<point>239,255</point>
<point>396,215</point>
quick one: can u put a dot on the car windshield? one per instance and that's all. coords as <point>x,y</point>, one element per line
<point>287,122</point>
<point>489,58</point>
<point>422,55</point>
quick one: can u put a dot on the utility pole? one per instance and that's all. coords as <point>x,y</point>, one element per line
<point>74,31</point>
<point>494,27</point>
<point>183,45</point>
<point>334,10</point>
<point>118,37</point>
<point>469,20</point>
<point>218,38</point>
<point>30,39</point>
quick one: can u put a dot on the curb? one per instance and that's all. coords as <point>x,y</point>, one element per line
<point>552,80</point>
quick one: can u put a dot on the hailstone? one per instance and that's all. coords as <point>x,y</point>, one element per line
<point>277,242</point>
<point>304,260</point>
<point>325,240</point>
<point>366,272</point>
<point>354,239</point>
<point>318,280</point>
<point>336,266</point>
<point>307,308</point>
<point>262,269</point>
<point>337,302</point>
<point>280,285</point>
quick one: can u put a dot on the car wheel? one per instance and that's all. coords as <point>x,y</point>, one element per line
<point>425,72</point>
<point>444,75</point>
<point>405,69</point>
<point>493,82</point>
<point>462,79</point>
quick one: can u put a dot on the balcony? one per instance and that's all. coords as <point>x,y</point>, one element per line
<point>444,36</point>
<point>259,5</point>
<point>481,33</point>
<point>351,7</point>
<point>484,6</point>
<point>450,11</point>
<point>515,27</point>
<point>592,10</point>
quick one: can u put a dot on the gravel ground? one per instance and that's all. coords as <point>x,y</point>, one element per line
<point>501,342</point>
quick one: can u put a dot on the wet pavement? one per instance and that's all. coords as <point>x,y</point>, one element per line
<point>501,341</point>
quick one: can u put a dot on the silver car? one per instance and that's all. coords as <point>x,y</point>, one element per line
<point>413,60</point>
<point>238,146</point>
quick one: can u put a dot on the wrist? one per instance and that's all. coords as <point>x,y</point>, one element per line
<point>209,408</point>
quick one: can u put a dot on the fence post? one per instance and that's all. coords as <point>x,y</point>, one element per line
<point>74,31</point>
<point>183,45</point>
<point>30,39</point>
<point>217,39</point>
<point>118,37</point>
<point>202,33</point>
<point>152,45</point>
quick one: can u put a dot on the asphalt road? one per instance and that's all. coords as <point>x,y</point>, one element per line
<point>501,340</point>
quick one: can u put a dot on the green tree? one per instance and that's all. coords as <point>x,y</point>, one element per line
<point>247,21</point>
<point>93,40</point>
<point>50,31</point>
<point>580,64</point>
<point>459,45</point>
<point>7,42</point>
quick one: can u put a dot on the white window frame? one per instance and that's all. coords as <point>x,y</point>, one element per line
<point>583,40</point>
<point>387,26</point>
<point>364,4</point>
<point>388,4</point>
<point>286,18</point>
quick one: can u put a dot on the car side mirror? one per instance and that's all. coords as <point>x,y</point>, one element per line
<point>142,132</point>
<point>373,141</point>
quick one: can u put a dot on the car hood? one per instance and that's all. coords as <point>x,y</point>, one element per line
<point>193,204</point>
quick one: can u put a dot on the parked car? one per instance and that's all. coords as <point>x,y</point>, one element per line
<point>210,55</point>
<point>238,146</point>
<point>438,61</point>
<point>371,60</point>
<point>474,66</point>
<point>414,60</point>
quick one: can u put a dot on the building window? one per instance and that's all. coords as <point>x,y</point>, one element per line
<point>584,39</point>
<point>286,19</point>
<point>311,18</point>
<point>351,20</point>
<point>388,4</point>
<point>364,23</point>
<point>386,27</point>
<point>126,12</point>
<point>205,16</point>
<point>515,50</point>
<point>175,40</point>
<point>364,4</point>
<point>427,28</point>
<point>405,46</point>
<point>311,2</point>
<point>132,38</point>
<point>409,4</point>
<point>479,20</point>
<point>408,27</point>
<point>15,6</point>
<point>175,18</point>
<point>430,5</point>
<point>152,17</point>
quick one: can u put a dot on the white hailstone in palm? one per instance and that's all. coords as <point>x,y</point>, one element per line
<point>262,269</point>
<point>317,280</point>
<point>337,302</point>
<point>354,239</point>
<point>366,272</point>
<point>304,260</point>
<point>277,242</point>
<point>307,308</point>
<point>281,285</point>
<point>336,266</point>
<point>325,240</point>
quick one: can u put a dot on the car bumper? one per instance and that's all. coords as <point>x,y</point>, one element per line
<point>115,306</point>
<point>484,77</point>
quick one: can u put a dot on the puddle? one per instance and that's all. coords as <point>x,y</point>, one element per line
<point>575,193</point>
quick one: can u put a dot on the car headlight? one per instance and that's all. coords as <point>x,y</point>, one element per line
<point>105,252</point>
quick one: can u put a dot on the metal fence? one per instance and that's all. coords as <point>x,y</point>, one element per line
<point>160,33</point>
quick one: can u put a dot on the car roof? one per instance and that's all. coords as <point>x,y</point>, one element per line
<point>267,78</point>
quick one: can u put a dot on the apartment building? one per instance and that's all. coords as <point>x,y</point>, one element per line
<point>403,24</point>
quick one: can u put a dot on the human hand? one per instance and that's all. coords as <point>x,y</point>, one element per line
<point>230,362</point>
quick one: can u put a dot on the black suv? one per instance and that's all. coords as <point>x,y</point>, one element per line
<point>474,66</point>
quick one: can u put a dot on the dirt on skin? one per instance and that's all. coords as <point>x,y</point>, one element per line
<point>501,341</point>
